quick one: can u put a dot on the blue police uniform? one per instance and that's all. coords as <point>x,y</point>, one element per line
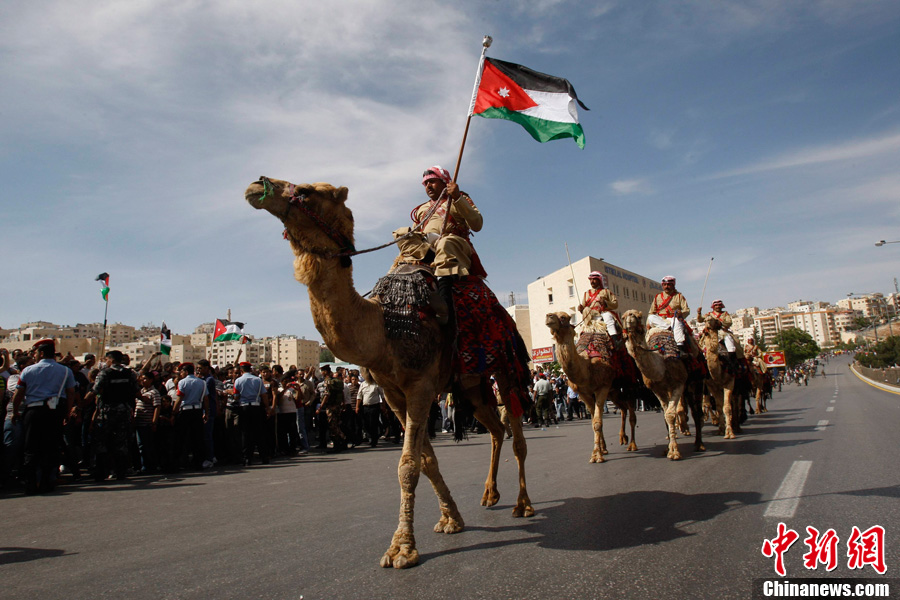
<point>249,390</point>
<point>45,383</point>
<point>189,422</point>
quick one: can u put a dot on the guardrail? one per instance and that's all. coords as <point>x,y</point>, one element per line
<point>889,376</point>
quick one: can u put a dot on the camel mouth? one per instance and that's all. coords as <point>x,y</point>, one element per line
<point>254,194</point>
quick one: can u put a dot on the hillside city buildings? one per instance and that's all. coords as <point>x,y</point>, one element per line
<point>141,343</point>
<point>561,290</point>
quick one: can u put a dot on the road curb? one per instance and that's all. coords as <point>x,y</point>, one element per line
<point>881,386</point>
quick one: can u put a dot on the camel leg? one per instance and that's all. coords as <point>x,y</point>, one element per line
<point>598,402</point>
<point>523,506</point>
<point>632,419</point>
<point>623,439</point>
<point>489,418</point>
<point>695,403</point>
<point>728,407</point>
<point>671,414</point>
<point>451,520</point>
<point>682,418</point>
<point>402,552</point>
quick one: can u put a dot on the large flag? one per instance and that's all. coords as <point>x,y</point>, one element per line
<point>103,278</point>
<point>165,339</point>
<point>227,331</point>
<point>543,104</point>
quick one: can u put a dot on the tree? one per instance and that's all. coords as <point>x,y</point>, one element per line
<point>886,353</point>
<point>326,355</point>
<point>797,346</point>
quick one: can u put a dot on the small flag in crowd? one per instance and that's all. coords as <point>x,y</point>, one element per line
<point>165,340</point>
<point>103,278</point>
<point>227,331</point>
<point>543,104</point>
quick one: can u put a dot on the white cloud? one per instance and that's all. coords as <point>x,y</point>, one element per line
<point>625,187</point>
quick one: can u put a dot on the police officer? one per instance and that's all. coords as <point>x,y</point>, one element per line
<point>191,412</point>
<point>116,389</point>
<point>40,389</point>
<point>250,392</point>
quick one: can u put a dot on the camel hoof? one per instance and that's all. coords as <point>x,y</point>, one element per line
<point>449,525</point>
<point>597,458</point>
<point>490,497</point>
<point>729,436</point>
<point>523,511</point>
<point>674,455</point>
<point>402,559</point>
<point>699,448</point>
<point>632,447</point>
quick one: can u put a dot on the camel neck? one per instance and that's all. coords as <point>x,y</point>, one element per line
<point>342,316</point>
<point>573,363</point>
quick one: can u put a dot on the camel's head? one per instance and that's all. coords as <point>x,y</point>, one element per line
<point>633,321</point>
<point>317,222</point>
<point>559,322</point>
<point>713,324</point>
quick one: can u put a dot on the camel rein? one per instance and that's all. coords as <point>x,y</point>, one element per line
<point>346,247</point>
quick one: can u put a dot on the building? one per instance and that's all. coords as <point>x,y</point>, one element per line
<point>868,305</point>
<point>520,313</point>
<point>290,350</point>
<point>558,292</point>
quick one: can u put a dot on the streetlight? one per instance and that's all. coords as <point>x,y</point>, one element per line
<point>882,242</point>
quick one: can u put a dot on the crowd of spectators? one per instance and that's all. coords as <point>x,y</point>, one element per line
<point>167,417</point>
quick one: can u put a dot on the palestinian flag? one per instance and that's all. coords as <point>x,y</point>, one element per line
<point>227,331</point>
<point>103,278</point>
<point>165,340</point>
<point>543,104</point>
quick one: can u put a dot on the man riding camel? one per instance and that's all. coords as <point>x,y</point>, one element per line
<point>598,309</point>
<point>668,310</point>
<point>449,234</point>
<point>719,313</point>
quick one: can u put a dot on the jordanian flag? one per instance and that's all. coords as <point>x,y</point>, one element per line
<point>543,104</point>
<point>227,331</point>
<point>165,340</point>
<point>103,278</point>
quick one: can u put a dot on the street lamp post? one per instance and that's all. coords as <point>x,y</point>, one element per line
<point>882,242</point>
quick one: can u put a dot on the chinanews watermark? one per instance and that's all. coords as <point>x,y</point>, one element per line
<point>863,552</point>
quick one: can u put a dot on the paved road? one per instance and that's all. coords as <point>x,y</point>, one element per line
<point>635,526</point>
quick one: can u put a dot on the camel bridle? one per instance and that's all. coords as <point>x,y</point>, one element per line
<point>346,249</point>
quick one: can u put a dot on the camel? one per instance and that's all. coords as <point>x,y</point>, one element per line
<point>758,381</point>
<point>720,382</point>
<point>592,379</point>
<point>668,379</point>
<point>319,227</point>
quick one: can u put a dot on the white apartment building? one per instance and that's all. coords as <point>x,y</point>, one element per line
<point>557,292</point>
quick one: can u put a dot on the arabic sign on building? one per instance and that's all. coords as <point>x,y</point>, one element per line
<point>542,355</point>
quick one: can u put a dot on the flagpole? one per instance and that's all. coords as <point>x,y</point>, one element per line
<point>103,342</point>
<point>704,284</point>
<point>575,285</point>
<point>485,44</point>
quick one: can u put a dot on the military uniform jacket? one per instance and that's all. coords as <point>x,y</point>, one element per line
<point>600,300</point>
<point>665,306</point>
<point>723,317</point>
<point>464,216</point>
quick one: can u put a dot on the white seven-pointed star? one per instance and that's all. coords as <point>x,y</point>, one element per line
<point>504,92</point>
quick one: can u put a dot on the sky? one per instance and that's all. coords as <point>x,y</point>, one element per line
<point>763,133</point>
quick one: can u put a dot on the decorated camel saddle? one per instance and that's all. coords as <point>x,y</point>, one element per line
<point>663,341</point>
<point>599,345</point>
<point>486,336</point>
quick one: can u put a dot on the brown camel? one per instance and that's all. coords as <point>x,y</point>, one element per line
<point>720,382</point>
<point>319,227</point>
<point>592,379</point>
<point>668,379</point>
<point>758,383</point>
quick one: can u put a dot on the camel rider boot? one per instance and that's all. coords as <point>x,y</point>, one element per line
<point>683,350</point>
<point>617,341</point>
<point>445,290</point>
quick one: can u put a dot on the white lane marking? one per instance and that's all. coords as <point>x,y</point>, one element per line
<point>820,426</point>
<point>784,504</point>
<point>829,409</point>
<point>833,401</point>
